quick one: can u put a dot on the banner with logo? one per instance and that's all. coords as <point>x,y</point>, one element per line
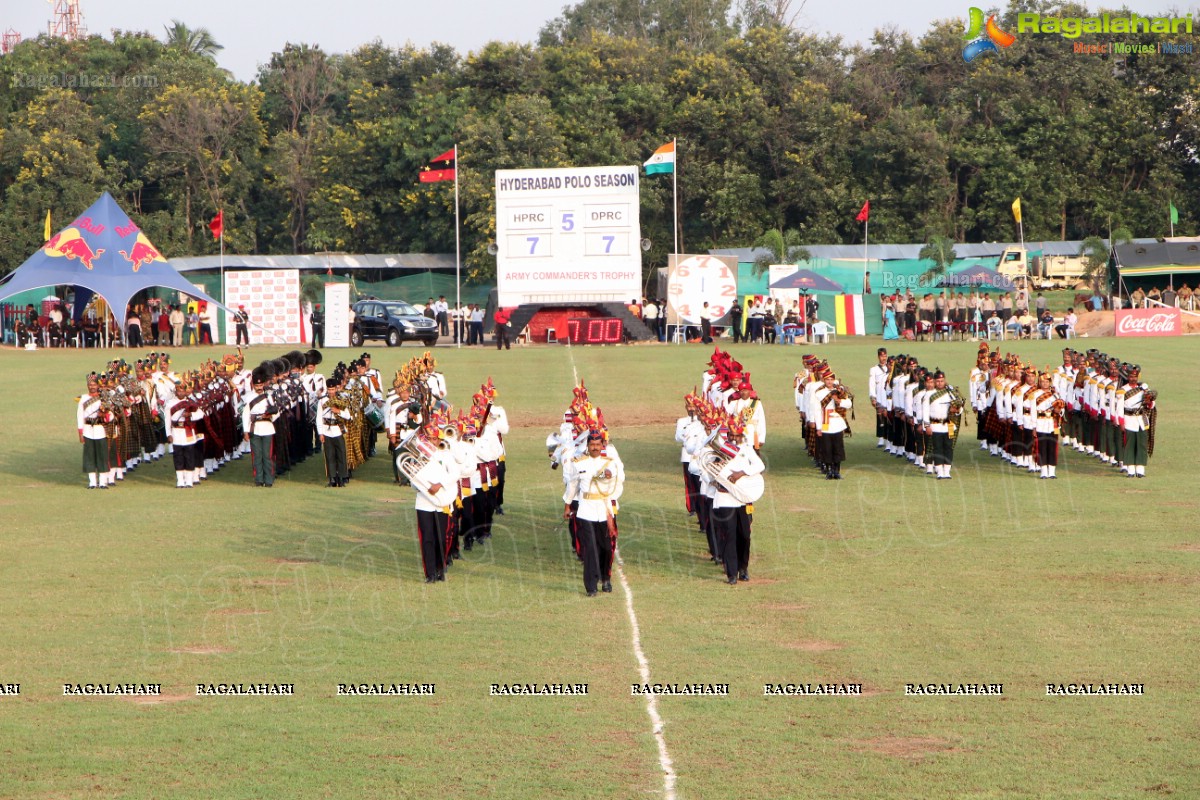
<point>272,301</point>
<point>337,315</point>
<point>1149,322</point>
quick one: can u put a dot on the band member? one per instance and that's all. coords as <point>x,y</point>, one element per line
<point>374,383</point>
<point>596,481</point>
<point>332,419</point>
<point>258,422</point>
<point>686,427</point>
<point>90,418</point>
<point>747,406</point>
<point>433,483</point>
<point>497,425</point>
<point>876,379</point>
<point>732,518</point>
<point>402,415</point>
<point>314,389</point>
<point>940,415</point>
<point>184,417</point>
<point>827,413</point>
<point>1047,409</point>
<point>1137,417</point>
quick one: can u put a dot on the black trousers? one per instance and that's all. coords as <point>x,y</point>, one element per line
<point>691,489</point>
<point>243,334</point>
<point>1047,448</point>
<point>941,452</point>
<point>706,331</point>
<point>596,550</point>
<point>335,458</point>
<point>502,337</point>
<point>318,335</point>
<point>704,518</point>
<point>832,448</point>
<point>501,469</point>
<point>431,531</point>
<point>732,527</point>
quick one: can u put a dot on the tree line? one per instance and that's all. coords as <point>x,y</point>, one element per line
<point>778,129</point>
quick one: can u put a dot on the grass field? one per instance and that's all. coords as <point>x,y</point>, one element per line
<point>883,579</point>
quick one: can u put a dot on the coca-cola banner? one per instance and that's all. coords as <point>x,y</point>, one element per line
<point>1149,322</point>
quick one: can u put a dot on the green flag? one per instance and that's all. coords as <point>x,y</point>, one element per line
<point>1174,214</point>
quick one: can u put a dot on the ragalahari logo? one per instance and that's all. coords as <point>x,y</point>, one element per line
<point>69,242</point>
<point>983,37</point>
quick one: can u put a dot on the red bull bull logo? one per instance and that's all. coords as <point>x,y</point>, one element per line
<point>142,253</point>
<point>70,244</point>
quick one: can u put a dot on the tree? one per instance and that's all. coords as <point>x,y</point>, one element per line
<point>939,250</point>
<point>197,42</point>
<point>783,247</point>
<point>1094,252</point>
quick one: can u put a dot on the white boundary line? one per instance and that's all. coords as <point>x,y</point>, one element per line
<point>656,722</point>
<point>664,758</point>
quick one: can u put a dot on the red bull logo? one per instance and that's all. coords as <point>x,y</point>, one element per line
<point>70,244</point>
<point>142,253</point>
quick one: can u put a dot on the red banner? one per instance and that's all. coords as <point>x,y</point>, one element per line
<point>1156,321</point>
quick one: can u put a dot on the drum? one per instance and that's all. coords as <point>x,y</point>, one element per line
<point>374,416</point>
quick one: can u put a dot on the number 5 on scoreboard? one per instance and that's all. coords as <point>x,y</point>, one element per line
<point>568,221</point>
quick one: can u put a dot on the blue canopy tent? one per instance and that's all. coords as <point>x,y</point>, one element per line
<point>807,280</point>
<point>104,251</point>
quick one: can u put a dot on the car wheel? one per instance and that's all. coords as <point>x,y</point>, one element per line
<point>429,342</point>
<point>356,338</point>
<point>393,338</point>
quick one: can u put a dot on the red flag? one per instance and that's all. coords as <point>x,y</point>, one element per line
<point>440,168</point>
<point>865,214</point>
<point>217,226</point>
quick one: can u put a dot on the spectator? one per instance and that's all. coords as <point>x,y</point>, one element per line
<point>1097,302</point>
<point>705,324</point>
<point>206,324</point>
<point>476,325</point>
<point>177,319</point>
<point>501,318</point>
<point>134,325</point>
<point>1005,307</point>
<point>1138,297</point>
<point>1040,304</point>
<point>1067,324</point>
<point>769,329</point>
<point>443,315</point>
<point>735,321</point>
<point>1045,323</point>
<point>456,322</point>
<point>1154,295</point>
<point>777,314</point>
<point>164,328</point>
<point>635,308</point>
<point>191,326</point>
<point>756,320</point>
<point>1185,297</point>
<point>650,316</point>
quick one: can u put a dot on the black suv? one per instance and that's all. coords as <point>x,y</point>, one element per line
<point>392,320</point>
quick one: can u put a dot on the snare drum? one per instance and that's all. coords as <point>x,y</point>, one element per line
<point>374,416</point>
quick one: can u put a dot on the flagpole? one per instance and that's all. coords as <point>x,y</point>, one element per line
<point>866,263</point>
<point>222,238</point>
<point>457,256</point>
<point>675,190</point>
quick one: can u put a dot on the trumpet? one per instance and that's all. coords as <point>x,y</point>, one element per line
<point>746,490</point>
<point>414,460</point>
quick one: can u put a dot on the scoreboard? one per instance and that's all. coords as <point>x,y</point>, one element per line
<point>595,330</point>
<point>568,235</point>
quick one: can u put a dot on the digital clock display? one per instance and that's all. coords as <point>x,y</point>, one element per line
<point>595,330</point>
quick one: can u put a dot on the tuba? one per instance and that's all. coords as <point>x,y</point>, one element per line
<point>414,461</point>
<point>714,463</point>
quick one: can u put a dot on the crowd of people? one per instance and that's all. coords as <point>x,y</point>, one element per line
<point>918,414</point>
<point>1093,403</point>
<point>1183,298</point>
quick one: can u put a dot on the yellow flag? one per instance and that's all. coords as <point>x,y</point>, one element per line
<point>47,237</point>
<point>1017,210</point>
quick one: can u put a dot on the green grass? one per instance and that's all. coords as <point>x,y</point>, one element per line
<point>884,578</point>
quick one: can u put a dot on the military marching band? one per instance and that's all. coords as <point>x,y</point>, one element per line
<point>284,410</point>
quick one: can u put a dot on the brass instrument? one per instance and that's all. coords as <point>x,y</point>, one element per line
<point>414,461</point>
<point>714,463</point>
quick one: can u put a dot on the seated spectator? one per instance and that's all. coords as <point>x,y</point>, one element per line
<point>1045,324</point>
<point>1068,324</point>
<point>1026,323</point>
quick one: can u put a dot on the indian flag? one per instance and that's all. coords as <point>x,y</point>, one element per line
<point>663,159</point>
